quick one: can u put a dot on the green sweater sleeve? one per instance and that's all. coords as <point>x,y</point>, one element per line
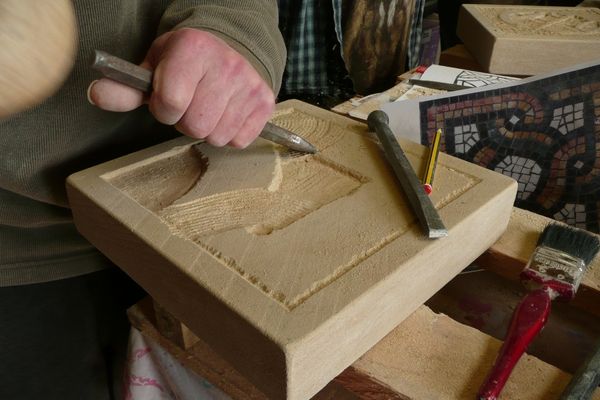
<point>249,27</point>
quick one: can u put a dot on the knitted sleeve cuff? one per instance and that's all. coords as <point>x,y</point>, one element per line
<point>249,27</point>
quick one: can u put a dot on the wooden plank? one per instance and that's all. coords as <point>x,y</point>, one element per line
<point>359,107</point>
<point>290,266</point>
<point>362,110</point>
<point>431,356</point>
<point>172,329</point>
<point>366,387</point>
<point>200,357</point>
<point>428,356</point>
<point>206,363</point>
<point>509,255</point>
<point>529,40</point>
<point>486,301</point>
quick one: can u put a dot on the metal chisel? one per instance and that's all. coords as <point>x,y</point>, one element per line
<point>450,87</point>
<point>139,78</point>
<point>419,200</point>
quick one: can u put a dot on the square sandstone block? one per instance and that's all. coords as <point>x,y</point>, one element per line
<point>529,40</point>
<point>290,266</point>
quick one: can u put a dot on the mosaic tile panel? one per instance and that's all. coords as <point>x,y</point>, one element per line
<point>544,133</point>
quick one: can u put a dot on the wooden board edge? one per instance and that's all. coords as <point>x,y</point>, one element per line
<point>210,366</point>
<point>206,363</point>
<point>355,383</point>
<point>366,386</point>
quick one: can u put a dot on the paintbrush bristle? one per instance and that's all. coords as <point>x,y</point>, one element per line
<point>573,241</point>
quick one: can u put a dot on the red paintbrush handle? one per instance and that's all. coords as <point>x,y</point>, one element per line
<point>528,319</point>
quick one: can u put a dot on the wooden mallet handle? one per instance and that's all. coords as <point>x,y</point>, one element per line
<point>38,40</point>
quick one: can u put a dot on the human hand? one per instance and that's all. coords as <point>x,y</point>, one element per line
<point>200,85</point>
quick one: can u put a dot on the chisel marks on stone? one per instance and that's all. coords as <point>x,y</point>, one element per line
<point>252,279</point>
<point>158,182</point>
<point>322,133</point>
<point>299,187</point>
<point>237,209</point>
<point>342,269</point>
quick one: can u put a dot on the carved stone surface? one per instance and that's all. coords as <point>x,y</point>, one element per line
<point>527,40</point>
<point>583,22</point>
<point>289,265</point>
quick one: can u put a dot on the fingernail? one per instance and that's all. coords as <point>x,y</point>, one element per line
<point>89,90</point>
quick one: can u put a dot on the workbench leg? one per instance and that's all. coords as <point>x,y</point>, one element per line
<point>172,329</point>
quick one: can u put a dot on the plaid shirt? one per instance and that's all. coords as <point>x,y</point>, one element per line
<point>307,29</point>
<point>314,57</point>
<point>416,31</point>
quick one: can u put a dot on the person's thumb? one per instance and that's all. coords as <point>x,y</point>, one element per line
<point>110,95</point>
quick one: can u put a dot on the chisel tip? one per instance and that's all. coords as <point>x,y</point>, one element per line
<point>436,233</point>
<point>300,144</point>
<point>286,138</point>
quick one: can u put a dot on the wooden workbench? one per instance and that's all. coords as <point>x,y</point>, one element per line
<point>429,355</point>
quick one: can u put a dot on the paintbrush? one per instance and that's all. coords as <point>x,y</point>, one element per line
<point>554,271</point>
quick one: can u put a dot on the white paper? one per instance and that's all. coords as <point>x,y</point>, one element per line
<point>405,118</point>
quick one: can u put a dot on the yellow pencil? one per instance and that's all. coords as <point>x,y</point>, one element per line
<point>434,152</point>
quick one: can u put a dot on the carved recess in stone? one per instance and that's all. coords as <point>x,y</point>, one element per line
<point>237,205</point>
